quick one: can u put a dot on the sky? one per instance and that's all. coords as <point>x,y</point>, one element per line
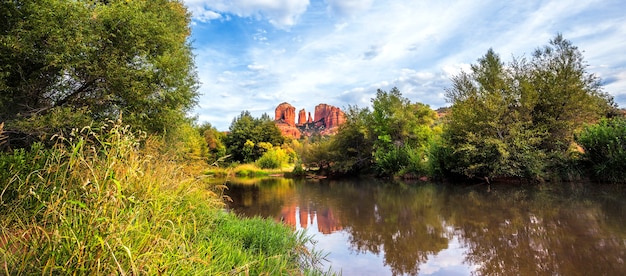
<point>255,54</point>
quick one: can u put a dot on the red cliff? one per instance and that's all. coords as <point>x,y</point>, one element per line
<point>302,117</point>
<point>327,119</point>
<point>331,115</point>
<point>286,113</point>
<point>286,120</point>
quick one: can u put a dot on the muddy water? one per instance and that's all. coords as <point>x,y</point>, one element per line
<point>372,227</point>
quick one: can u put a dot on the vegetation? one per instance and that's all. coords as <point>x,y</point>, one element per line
<point>106,201</point>
<point>77,61</point>
<point>515,120</point>
<point>83,193</point>
<point>519,120</point>
<point>248,137</point>
<point>604,146</point>
<point>392,139</point>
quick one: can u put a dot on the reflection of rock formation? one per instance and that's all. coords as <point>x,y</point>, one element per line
<point>326,121</point>
<point>326,221</point>
<point>304,217</point>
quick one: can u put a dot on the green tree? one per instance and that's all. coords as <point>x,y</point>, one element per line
<point>402,132</point>
<point>350,150</point>
<point>567,95</point>
<point>488,132</point>
<point>106,57</point>
<point>214,140</point>
<point>247,136</point>
<point>511,121</point>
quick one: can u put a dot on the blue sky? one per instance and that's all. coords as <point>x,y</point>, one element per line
<point>255,54</point>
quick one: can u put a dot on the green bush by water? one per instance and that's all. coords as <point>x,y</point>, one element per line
<point>604,147</point>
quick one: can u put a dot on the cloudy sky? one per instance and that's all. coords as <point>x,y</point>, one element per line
<point>255,54</point>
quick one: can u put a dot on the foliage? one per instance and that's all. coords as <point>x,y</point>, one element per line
<point>298,170</point>
<point>215,142</point>
<point>400,129</point>
<point>106,201</point>
<point>185,142</point>
<point>395,120</point>
<point>103,58</point>
<point>350,150</point>
<point>509,121</point>
<point>604,147</point>
<point>392,138</point>
<point>248,137</point>
<point>401,160</point>
<point>273,158</point>
<point>567,96</point>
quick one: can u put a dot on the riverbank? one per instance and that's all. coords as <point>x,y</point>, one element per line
<point>109,202</point>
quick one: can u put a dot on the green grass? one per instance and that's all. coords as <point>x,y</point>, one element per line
<point>107,201</point>
<point>246,171</point>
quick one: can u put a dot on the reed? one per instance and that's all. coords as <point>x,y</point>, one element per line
<point>108,201</point>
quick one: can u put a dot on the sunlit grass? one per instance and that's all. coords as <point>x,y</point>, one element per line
<point>107,201</point>
<point>246,170</point>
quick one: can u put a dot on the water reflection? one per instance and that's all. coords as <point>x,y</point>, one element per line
<point>429,229</point>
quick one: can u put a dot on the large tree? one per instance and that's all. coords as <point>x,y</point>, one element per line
<point>488,128</point>
<point>105,58</point>
<point>514,120</point>
<point>246,136</point>
<point>401,133</point>
<point>567,95</point>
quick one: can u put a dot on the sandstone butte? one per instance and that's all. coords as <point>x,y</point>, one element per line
<point>326,120</point>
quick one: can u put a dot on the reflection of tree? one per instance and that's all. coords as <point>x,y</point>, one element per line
<point>507,232</point>
<point>526,233</point>
<point>402,222</point>
<point>264,197</point>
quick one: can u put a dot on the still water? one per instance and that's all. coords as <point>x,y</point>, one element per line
<point>373,227</point>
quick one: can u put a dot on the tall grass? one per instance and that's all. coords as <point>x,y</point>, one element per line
<point>108,201</point>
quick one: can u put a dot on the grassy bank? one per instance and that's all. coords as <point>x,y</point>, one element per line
<point>246,170</point>
<point>107,201</point>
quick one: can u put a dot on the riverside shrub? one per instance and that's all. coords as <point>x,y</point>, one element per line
<point>604,147</point>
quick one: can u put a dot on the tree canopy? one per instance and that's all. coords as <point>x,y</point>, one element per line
<point>512,119</point>
<point>104,58</point>
<point>247,138</point>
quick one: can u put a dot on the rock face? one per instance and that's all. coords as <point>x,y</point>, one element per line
<point>326,121</point>
<point>332,116</point>
<point>286,113</point>
<point>286,120</point>
<point>302,117</point>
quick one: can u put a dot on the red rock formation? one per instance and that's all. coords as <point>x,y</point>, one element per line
<point>286,113</point>
<point>332,116</point>
<point>327,119</point>
<point>302,117</point>
<point>289,131</point>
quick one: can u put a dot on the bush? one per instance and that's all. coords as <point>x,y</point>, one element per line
<point>401,160</point>
<point>604,147</point>
<point>274,158</point>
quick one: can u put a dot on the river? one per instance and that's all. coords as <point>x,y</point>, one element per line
<point>375,227</point>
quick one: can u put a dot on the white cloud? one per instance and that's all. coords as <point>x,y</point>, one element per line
<point>348,7</point>
<point>416,46</point>
<point>281,13</point>
<point>257,67</point>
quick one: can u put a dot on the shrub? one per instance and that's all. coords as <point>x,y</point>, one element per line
<point>604,147</point>
<point>274,158</point>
